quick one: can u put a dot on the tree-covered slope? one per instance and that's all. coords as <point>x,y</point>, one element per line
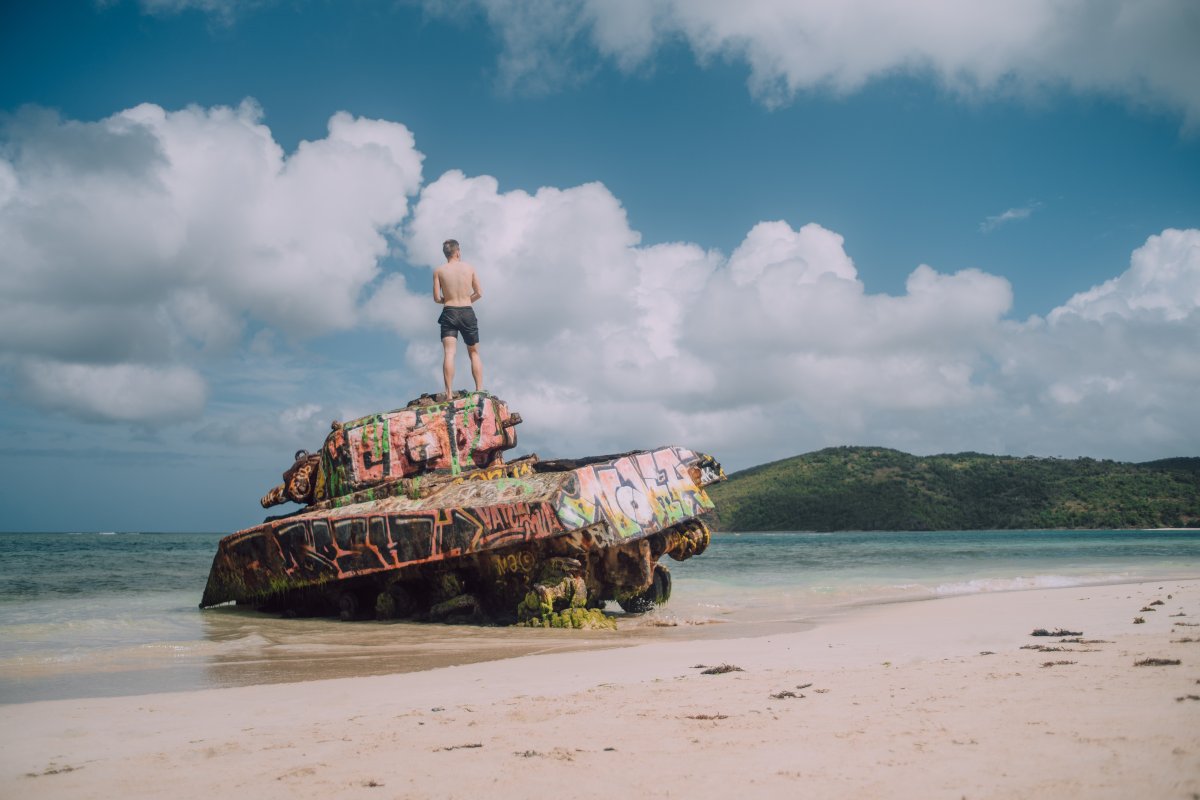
<point>874,488</point>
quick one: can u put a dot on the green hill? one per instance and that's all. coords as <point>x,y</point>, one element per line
<point>874,488</point>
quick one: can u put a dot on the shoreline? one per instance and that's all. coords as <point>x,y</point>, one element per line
<point>303,651</point>
<point>902,699</point>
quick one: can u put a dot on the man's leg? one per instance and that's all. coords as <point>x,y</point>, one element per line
<point>476,366</point>
<point>449,345</point>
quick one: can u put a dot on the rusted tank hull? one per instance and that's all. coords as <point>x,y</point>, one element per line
<point>517,541</point>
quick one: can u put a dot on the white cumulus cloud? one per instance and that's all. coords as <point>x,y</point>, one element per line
<point>136,241</point>
<point>1142,50</point>
<point>1163,281</point>
<point>643,341</point>
<point>605,343</point>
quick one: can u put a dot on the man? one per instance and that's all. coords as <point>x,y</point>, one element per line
<point>456,286</point>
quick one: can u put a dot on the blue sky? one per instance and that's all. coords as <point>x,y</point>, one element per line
<point>756,230</point>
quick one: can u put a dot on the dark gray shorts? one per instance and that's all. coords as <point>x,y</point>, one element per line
<point>460,319</point>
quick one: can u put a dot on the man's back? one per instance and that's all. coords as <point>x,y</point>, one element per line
<point>456,286</point>
<point>458,282</point>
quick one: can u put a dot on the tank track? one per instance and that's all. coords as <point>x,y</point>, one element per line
<point>560,582</point>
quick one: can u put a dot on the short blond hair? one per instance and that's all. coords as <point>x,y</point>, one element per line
<point>449,248</point>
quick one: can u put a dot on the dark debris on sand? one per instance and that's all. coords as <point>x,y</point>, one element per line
<point>52,770</point>
<point>1056,663</point>
<point>785,694</point>
<point>721,669</point>
<point>1055,632</point>
<point>1157,662</point>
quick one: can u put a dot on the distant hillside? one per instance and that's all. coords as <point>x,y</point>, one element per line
<point>874,488</point>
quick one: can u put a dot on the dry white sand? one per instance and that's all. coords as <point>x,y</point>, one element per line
<point>926,699</point>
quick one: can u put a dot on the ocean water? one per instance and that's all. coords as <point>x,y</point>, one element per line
<point>95,614</point>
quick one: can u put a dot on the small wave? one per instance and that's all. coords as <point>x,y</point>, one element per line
<point>661,620</point>
<point>1021,583</point>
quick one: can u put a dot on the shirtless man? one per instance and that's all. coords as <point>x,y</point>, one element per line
<point>456,286</point>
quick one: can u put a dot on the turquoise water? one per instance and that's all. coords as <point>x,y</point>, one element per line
<point>744,573</point>
<point>99,614</point>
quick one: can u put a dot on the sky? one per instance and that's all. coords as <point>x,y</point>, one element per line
<point>753,229</point>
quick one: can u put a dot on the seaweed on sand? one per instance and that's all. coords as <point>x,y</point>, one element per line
<point>722,669</point>
<point>1041,648</point>
<point>1055,632</point>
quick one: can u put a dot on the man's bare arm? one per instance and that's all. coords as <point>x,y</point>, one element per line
<point>438,295</point>
<point>476,292</point>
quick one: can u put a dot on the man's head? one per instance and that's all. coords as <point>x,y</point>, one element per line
<point>450,248</point>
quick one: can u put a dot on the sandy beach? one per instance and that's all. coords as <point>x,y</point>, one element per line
<point>941,698</point>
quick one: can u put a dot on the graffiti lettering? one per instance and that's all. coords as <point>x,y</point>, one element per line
<point>636,494</point>
<point>517,521</point>
<point>344,547</point>
<point>464,434</point>
<point>522,562</point>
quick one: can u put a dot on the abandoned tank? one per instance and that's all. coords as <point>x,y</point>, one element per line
<point>414,513</point>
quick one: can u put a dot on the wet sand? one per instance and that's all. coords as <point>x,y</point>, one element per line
<point>942,698</point>
<point>238,647</point>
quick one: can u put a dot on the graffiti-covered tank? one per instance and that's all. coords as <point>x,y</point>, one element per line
<point>415,513</point>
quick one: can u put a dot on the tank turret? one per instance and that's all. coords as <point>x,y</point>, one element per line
<point>426,437</point>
